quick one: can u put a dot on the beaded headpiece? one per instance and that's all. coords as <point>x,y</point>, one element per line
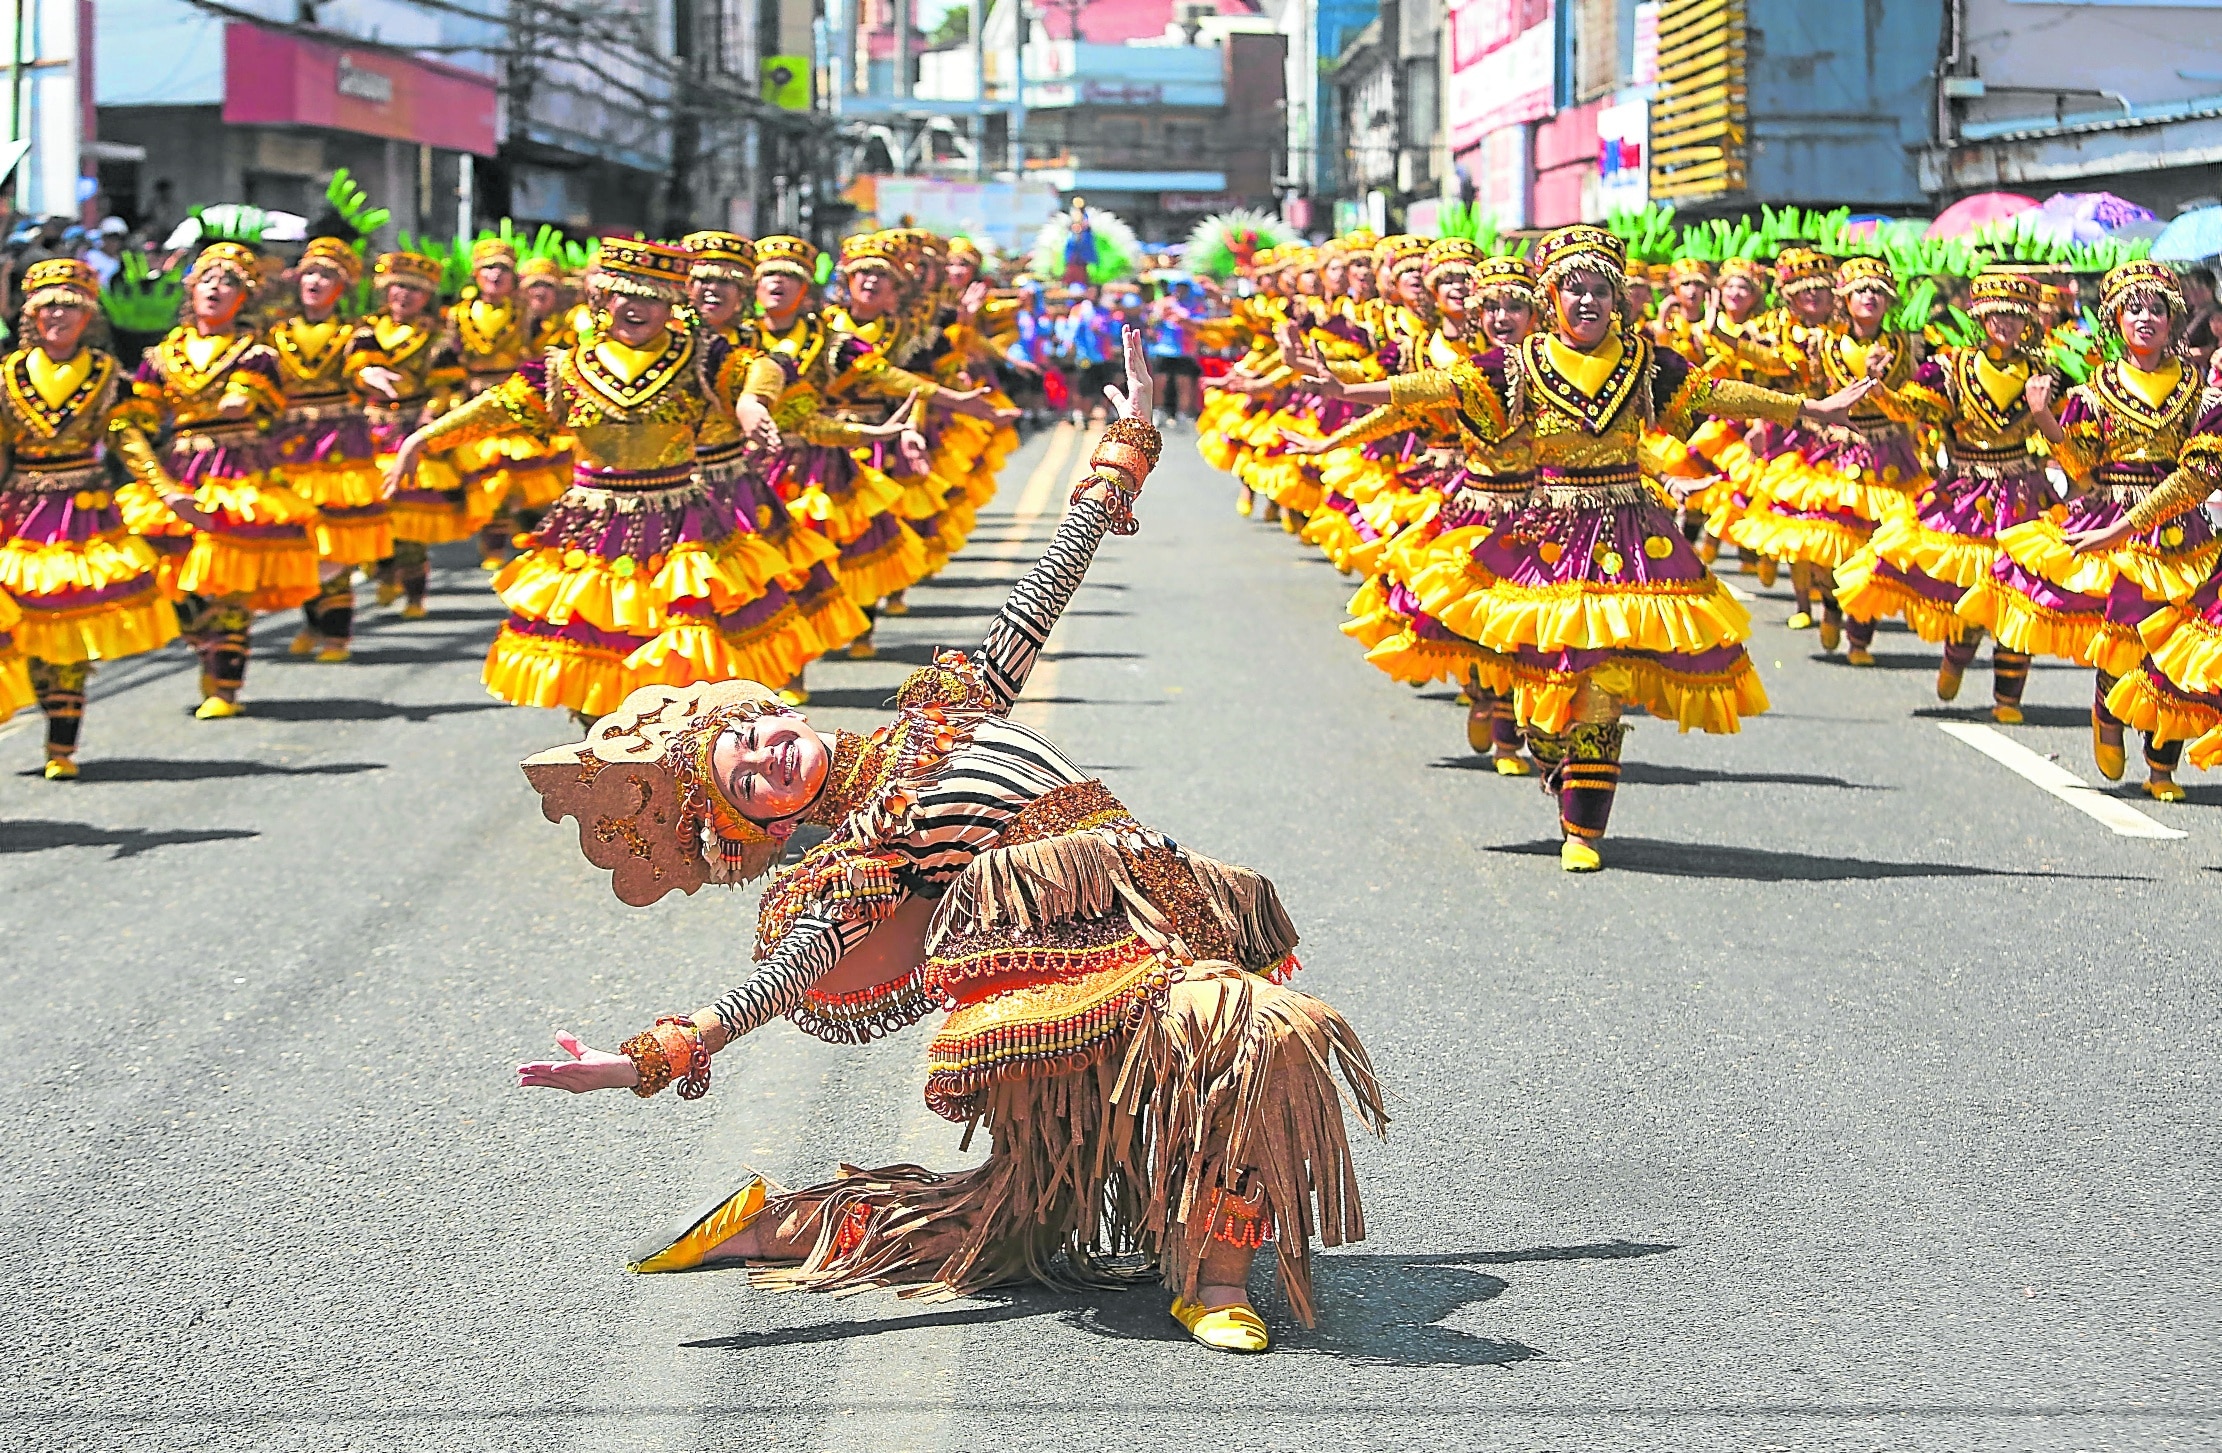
<point>1581,248</point>
<point>488,251</point>
<point>413,268</point>
<point>1749,269</point>
<point>874,251</point>
<point>1505,275</point>
<point>791,255</point>
<point>63,281</point>
<point>653,270</point>
<point>2001,290</point>
<point>333,254</point>
<point>235,259</point>
<point>1802,270</point>
<point>965,248</point>
<point>1399,254</point>
<point>723,255</point>
<point>1866,273</point>
<point>539,269</point>
<point>1689,269</point>
<point>1451,257</point>
<point>2144,279</point>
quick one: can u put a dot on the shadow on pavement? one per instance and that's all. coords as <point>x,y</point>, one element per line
<point>2036,716</point>
<point>350,708</point>
<point>1658,774</point>
<point>1755,865</point>
<point>125,842</point>
<point>1381,1310</point>
<point>150,769</point>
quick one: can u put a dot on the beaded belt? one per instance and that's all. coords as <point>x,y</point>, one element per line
<point>56,474</point>
<point>633,481</point>
<point>1593,489</point>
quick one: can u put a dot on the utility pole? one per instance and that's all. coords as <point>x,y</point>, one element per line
<point>1022,21</point>
<point>979,21</point>
<point>902,49</point>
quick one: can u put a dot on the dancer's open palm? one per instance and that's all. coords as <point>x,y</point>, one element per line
<point>586,1069</point>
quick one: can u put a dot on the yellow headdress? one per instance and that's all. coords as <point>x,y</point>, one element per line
<point>60,280</point>
<point>235,259</point>
<point>2002,290</point>
<point>1453,256</point>
<point>1581,248</point>
<point>1802,270</point>
<point>413,268</point>
<point>643,269</point>
<point>1866,274</point>
<point>490,250</point>
<point>2142,279</point>
<point>790,255</point>
<point>1505,275</point>
<point>724,255</point>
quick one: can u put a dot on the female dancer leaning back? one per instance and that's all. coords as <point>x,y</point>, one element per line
<point>1153,1094</point>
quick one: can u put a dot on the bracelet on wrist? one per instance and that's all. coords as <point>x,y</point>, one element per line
<point>669,1052</point>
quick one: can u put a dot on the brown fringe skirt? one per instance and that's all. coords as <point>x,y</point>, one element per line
<point>1219,1109</point>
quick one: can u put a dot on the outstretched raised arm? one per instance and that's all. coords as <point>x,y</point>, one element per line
<point>1103,503</point>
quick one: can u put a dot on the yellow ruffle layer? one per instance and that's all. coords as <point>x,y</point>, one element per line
<point>837,620</point>
<point>1959,560</point>
<point>897,565</point>
<point>698,651</point>
<point>2041,547</point>
<point>15,686</point>
<point>2185,649</point>
<point>553,585</point>
<point>1218,451</point>
<point>354,542</point>
<point>1805,486</point>
<point>1866,596</point>
<point>1696,617</point>
<point>1825,543</point>
<point>29,570</point>
<point>1713,704</point>
<point>2020,624</point>
<point>2144,707</point>
<point>349,484</point>
<point>271,574</point>
<point>1331,531</point>
<point>110,631</point>
<point>535,671</point>
<point>1417,660</point>
<point>843,520</point>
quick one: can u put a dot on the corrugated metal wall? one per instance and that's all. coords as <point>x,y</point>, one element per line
<point>1841,99</point>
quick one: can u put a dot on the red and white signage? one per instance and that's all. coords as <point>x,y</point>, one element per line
<point>275,79</point>
<point>1503,63</point>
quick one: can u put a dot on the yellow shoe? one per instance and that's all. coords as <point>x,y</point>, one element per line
<point>60,769</point>
<point>1230,1329</point>
<point>1767,571</point>
<point>1291,521</point>
<point>862,649</point>
<point>2112,760</point>
<point>685,1247</point>
<point>2006,715</point>
<point>2164,789</point>
<point>1800,620</point>
<point>414,611</point>
<point>1949,678</point>
<point>1832,633</point>
<point>1463,699</point>
<point>794,695</point>
<point>896,606</point>
<point>215,708</point>
<point>491,562</point>
<point>334,655</point>
<point>1576,856</point>
<point>1514,767</point>
<point>388,592</point>
<point>1480,735</point>
<point>1860,656</point>
<point>1243,505</point>
<point>304,644</point>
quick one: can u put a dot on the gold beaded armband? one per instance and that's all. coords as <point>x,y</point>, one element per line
<point>670,1052</point>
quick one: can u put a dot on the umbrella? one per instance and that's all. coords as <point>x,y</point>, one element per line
<point>1980,210</point>
<point>2190,237</point>
<point>2089,216</point>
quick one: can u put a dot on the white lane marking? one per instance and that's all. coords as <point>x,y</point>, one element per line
<point>1730,586</point>
<point>2119,816</point>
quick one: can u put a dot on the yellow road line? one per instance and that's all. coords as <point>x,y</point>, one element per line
<point>1035,498</point>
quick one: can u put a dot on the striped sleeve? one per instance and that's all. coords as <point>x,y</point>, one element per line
<point>1028,615</point>
<point>805,954</point>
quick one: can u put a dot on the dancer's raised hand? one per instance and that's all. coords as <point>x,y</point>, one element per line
<point>1139,397</point>
<point>586,1069</point>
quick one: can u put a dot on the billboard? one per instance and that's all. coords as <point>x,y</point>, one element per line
<point>1009,214</point>
<point>1623,157</point>
<point>1503,63</point>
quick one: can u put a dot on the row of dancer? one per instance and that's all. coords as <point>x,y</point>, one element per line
<point>1911,481</point>
<point>718,472</point>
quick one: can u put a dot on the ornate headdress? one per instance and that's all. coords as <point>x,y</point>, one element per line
<point>874,251</point>
<point>413,268</point>
<point>1399,254</point>
<point>727,256</point>
<point>653,270</point>
<point>1802,270</point>
<point>490,250</point>
<point>967,249</point>
<point>1750,269</point>
<point>1581,248</point>
<point>234,259</point>
<point>790,255</point>
<point>60,280</point>
<point>1866,273</point>
<point>539,269</point>
<point>1505,275</point>
<point>1451,257</point>
<point>2002,290</point>
<point>2143,279</point>
<point>1688,269</point>
<point>335,255</point>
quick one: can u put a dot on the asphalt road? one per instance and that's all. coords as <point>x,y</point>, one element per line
<point>1867,1102</point>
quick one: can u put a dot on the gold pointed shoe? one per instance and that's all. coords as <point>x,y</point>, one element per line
<point>60,769</point>
<point>334,656</point>
<point>1243,505</point>
<point>2164,790</point>
<point>1228,1329</point>
<point>388,592</point>
<point>215,708</point>
<point>1576,856</point>
<point>686,1245</point>
<point>1480,732</point>
<point>1799,621</point>
<point>2006,714</point>
<point>862,649</point>
<point>1832,633</point>
<point>2112,761</point>
<point>1859,656</point>
<point>1949,678</point>
<point>1514,765</point>
<point>414,611</point>
<point>304,644</point>
<point>1768,571</point>
<point>895,605</point>
<point>793,695</point>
